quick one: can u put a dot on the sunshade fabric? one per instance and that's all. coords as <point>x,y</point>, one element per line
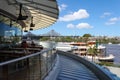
<point>44,12</point>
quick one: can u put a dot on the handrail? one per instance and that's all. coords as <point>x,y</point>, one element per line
<point>97,70</point>
<point>33,66</point>
<point>24,57</point>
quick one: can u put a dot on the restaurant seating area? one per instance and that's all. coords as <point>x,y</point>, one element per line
<point>23,61</point>
<point>31,63</point>
<point>11,52</point>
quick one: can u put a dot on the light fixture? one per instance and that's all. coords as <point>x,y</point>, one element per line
<point>25,30</point>
<point>31,29</point>
<point>31,24</point>
<point>10,23</point>
<point>20,17</point>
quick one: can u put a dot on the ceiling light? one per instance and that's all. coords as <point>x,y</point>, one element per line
<point>25,30</point>
<point>31,29</point>
<point>31,24</point>
<point>20,17</point>
<point>10,23</point>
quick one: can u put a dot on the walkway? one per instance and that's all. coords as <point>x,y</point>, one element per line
<point>115,70</point>
<point>73,70</point>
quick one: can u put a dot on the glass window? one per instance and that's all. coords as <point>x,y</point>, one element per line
<point>9,32</point>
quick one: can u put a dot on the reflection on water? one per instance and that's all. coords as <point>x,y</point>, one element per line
<point>115,50</point>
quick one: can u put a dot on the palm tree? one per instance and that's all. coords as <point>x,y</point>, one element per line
<point>92,51</point>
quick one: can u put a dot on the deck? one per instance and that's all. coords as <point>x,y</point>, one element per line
<point>74,70</point>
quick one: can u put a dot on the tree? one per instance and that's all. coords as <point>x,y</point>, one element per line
<point>87,35</point>
<point>92,51</point>
<point>44,39</point>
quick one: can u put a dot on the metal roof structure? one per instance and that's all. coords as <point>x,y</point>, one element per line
<point>41,13</point>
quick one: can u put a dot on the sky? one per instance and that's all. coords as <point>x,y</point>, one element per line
<point>79,17</point>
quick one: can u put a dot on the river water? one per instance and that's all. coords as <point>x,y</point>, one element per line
<point>115,50</point>
<point>112,49</point>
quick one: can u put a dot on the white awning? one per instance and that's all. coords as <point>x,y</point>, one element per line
<point>44,12</point>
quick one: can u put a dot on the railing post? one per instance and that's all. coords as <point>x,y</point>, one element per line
<point>51,58</point>
<point>40,65</point>
<point>47,61</point>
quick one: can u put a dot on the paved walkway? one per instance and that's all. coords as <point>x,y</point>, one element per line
<point>73,70</point>
<point>114,70</point>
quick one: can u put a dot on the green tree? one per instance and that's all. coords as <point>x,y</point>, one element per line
<point>92,51</point>
<point>68,39</point>
<point>44,39</point>
<point>87,35</point>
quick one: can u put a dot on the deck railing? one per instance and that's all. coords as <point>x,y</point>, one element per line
<point>100,72</point>
<point>31,67</point>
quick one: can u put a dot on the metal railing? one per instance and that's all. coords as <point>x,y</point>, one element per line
<point>99,71</point>
<point>31,67</point>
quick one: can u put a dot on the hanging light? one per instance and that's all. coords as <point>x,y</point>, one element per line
<point>31,24</point>
<point>10,23</point>
<point>20,17</point>
<point>31,29</point>
<point>25,30</point>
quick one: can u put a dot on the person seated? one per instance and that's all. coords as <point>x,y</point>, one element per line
<point>32,44</point>
<point>24,44</point>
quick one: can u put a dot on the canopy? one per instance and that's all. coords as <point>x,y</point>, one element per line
<point>42,13</point>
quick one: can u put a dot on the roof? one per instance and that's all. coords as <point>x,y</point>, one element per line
<point>91,42</point>
<point>78,43</point>
<point>43,12</point>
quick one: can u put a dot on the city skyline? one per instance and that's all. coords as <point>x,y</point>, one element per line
<point>98,18</point>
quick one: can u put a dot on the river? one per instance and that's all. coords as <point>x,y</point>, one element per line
<point>115,50</point>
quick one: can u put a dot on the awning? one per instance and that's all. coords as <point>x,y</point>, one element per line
<point>43,12</point>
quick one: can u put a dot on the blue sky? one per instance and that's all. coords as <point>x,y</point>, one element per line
<point>78,17</point>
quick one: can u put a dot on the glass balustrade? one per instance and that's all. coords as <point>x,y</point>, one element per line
<point>31,67</point>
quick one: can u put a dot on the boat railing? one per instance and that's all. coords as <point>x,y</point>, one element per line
<point>30,67</point>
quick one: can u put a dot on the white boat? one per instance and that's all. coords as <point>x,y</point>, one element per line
<point>101,47</point>
<point>109,43</point>
<point>109,58</point>
<point>81,48</point>
<point>64,46</point>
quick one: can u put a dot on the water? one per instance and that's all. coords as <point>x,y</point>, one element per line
<point>115,50</point>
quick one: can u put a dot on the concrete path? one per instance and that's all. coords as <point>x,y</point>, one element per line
<point>114,70</point>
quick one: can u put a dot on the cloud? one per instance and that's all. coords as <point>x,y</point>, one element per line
<point>70,26</point>
<point>83,25</point>
<point>109,23</point>
<point>80,26</point>
<point>80,14</point>
<point>112,20</point>
<point>105,14</point>
<point>62,7</point>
